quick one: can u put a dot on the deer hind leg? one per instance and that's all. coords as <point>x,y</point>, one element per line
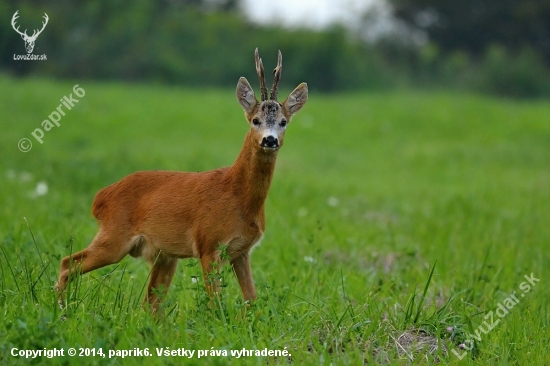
<point>102,251</point>
<point>161,276</point>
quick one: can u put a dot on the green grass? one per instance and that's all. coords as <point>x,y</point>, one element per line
<point>390,218</point>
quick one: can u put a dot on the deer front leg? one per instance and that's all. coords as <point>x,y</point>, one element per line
<point>242,268</point>
<point>210,264</point>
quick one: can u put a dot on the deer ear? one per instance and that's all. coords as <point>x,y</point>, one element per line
<point>245,95</point>
<point>296,99</point>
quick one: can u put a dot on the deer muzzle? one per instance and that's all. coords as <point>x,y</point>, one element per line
<point>270,142</point>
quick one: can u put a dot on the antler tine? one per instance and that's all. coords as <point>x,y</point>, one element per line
<point>43,24</point>
<point>261,75</point>
<point>276,76</point>
<point>13,20</point>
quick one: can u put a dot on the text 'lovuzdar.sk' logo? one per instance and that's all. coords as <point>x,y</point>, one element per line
<point>29,40</point>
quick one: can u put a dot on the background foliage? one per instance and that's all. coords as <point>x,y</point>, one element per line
<point>490,46</point>
<point>475,25</point>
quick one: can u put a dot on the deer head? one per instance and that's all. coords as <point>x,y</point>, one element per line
<point>29,40</point>
<point>268,118</point>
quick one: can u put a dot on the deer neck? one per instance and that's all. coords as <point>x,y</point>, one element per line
<point>251,175</point>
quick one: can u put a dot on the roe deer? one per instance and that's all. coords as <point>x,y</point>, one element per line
<point>165,215</point>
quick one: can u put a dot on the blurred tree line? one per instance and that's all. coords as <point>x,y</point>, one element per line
<point>210,42</point>
<point>501,46</point>
<point>474,25</point>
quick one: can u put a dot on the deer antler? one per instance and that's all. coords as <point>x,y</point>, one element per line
<point>36,33</point>
<point>261,76</point>
<point>276,76</point>
<point>13,19</point>
<point>24,34</point>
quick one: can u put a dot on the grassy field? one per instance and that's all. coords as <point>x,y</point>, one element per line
<point>372,192</point>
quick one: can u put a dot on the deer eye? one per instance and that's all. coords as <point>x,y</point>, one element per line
<point>256,122</point>
<point>283,123</point>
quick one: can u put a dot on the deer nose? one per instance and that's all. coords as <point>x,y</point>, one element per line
<point>270,141</point>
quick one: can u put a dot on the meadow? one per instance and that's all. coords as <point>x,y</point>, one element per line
<point>398,226</point>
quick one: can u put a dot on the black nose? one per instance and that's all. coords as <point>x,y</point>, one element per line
<point>270,141</point>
